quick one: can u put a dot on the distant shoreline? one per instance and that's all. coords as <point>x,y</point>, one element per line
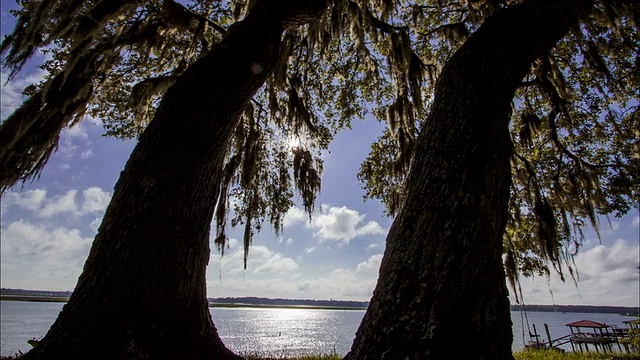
<point>62,299</point>
<point>325,305</point>
<point>34,298</point>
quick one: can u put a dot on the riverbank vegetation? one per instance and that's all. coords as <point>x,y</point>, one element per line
<point>521,355</point>
<point>559,355</point>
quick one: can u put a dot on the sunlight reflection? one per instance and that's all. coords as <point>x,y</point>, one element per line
<point>287,332</point>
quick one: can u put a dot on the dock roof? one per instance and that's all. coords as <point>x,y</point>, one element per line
<point>588,323</point>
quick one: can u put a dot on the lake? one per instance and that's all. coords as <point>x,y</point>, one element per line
<point>274,331</point>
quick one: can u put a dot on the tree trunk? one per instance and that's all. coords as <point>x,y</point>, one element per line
<point>142,293</point>
<point>441,291</point>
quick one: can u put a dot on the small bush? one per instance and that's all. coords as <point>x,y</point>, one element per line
<point>633,340</point>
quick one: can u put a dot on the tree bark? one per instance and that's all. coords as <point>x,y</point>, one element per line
<point>441,290</point>
<point>142,293</point>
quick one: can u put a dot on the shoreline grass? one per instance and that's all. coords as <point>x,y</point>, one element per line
<point>552,354</point>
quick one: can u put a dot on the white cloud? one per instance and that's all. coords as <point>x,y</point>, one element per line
<point>294,216</point>
<point>78,131</point>
<point>273,263</point>
<point>310,249</point>
<point>603,270</point>
<point>74,139</point>
<point>289,241</point>
<point>60,204</point>
<point>334,223</point>
<point>95,224</point>
<point>370,266</point>
<point>95,200</point>
<point>342,224</point>
<point>233,244</point>
<point>11,94</point>
<point>39,257</point>
<point>30,200</point>
<point>609,263</point>
<point>371,228</point>
<point>86,154</point>
<point>339,283</point>
<point>261,261</point>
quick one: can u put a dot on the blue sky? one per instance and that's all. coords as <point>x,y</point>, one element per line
<point>47,227</point>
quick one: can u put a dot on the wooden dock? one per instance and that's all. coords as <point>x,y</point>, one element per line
<point>584,333</point>
<point>536,343</point>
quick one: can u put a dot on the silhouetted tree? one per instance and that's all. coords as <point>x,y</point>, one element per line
<point>142,292</point>
<point>441,279</point>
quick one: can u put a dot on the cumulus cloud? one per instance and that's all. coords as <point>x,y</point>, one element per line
<point>272,262</point>
<point>342,224</point>
<point>261,261</point>
<point>30,200</point>
<point>36,256</point>
<point>60,204</point>
<point>94,200</point>
<point>348,283</point>
<point>370,266</point>
<point>294,216</point>
<point>335,223</point>
<point>602,271</point>
<point>371,228</point>
<point>618,262</point>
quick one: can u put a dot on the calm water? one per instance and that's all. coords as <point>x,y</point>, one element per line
<point>271,331</point>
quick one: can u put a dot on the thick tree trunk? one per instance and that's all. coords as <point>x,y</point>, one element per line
<point>142,294</point>
<point>441,291</point>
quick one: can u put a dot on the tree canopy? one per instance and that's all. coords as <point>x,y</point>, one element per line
<point>575,124</point>
<point>574,128</point>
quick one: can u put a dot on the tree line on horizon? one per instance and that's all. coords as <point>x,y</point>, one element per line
<point>512,125</point>
<point>609,309</point>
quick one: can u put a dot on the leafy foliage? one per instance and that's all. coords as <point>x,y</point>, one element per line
<point>575,124</point>
<point>632,340</point>
<point>114,60</point>
<point>574,130</point>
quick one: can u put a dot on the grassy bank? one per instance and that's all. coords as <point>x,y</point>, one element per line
<point>557,355</point>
